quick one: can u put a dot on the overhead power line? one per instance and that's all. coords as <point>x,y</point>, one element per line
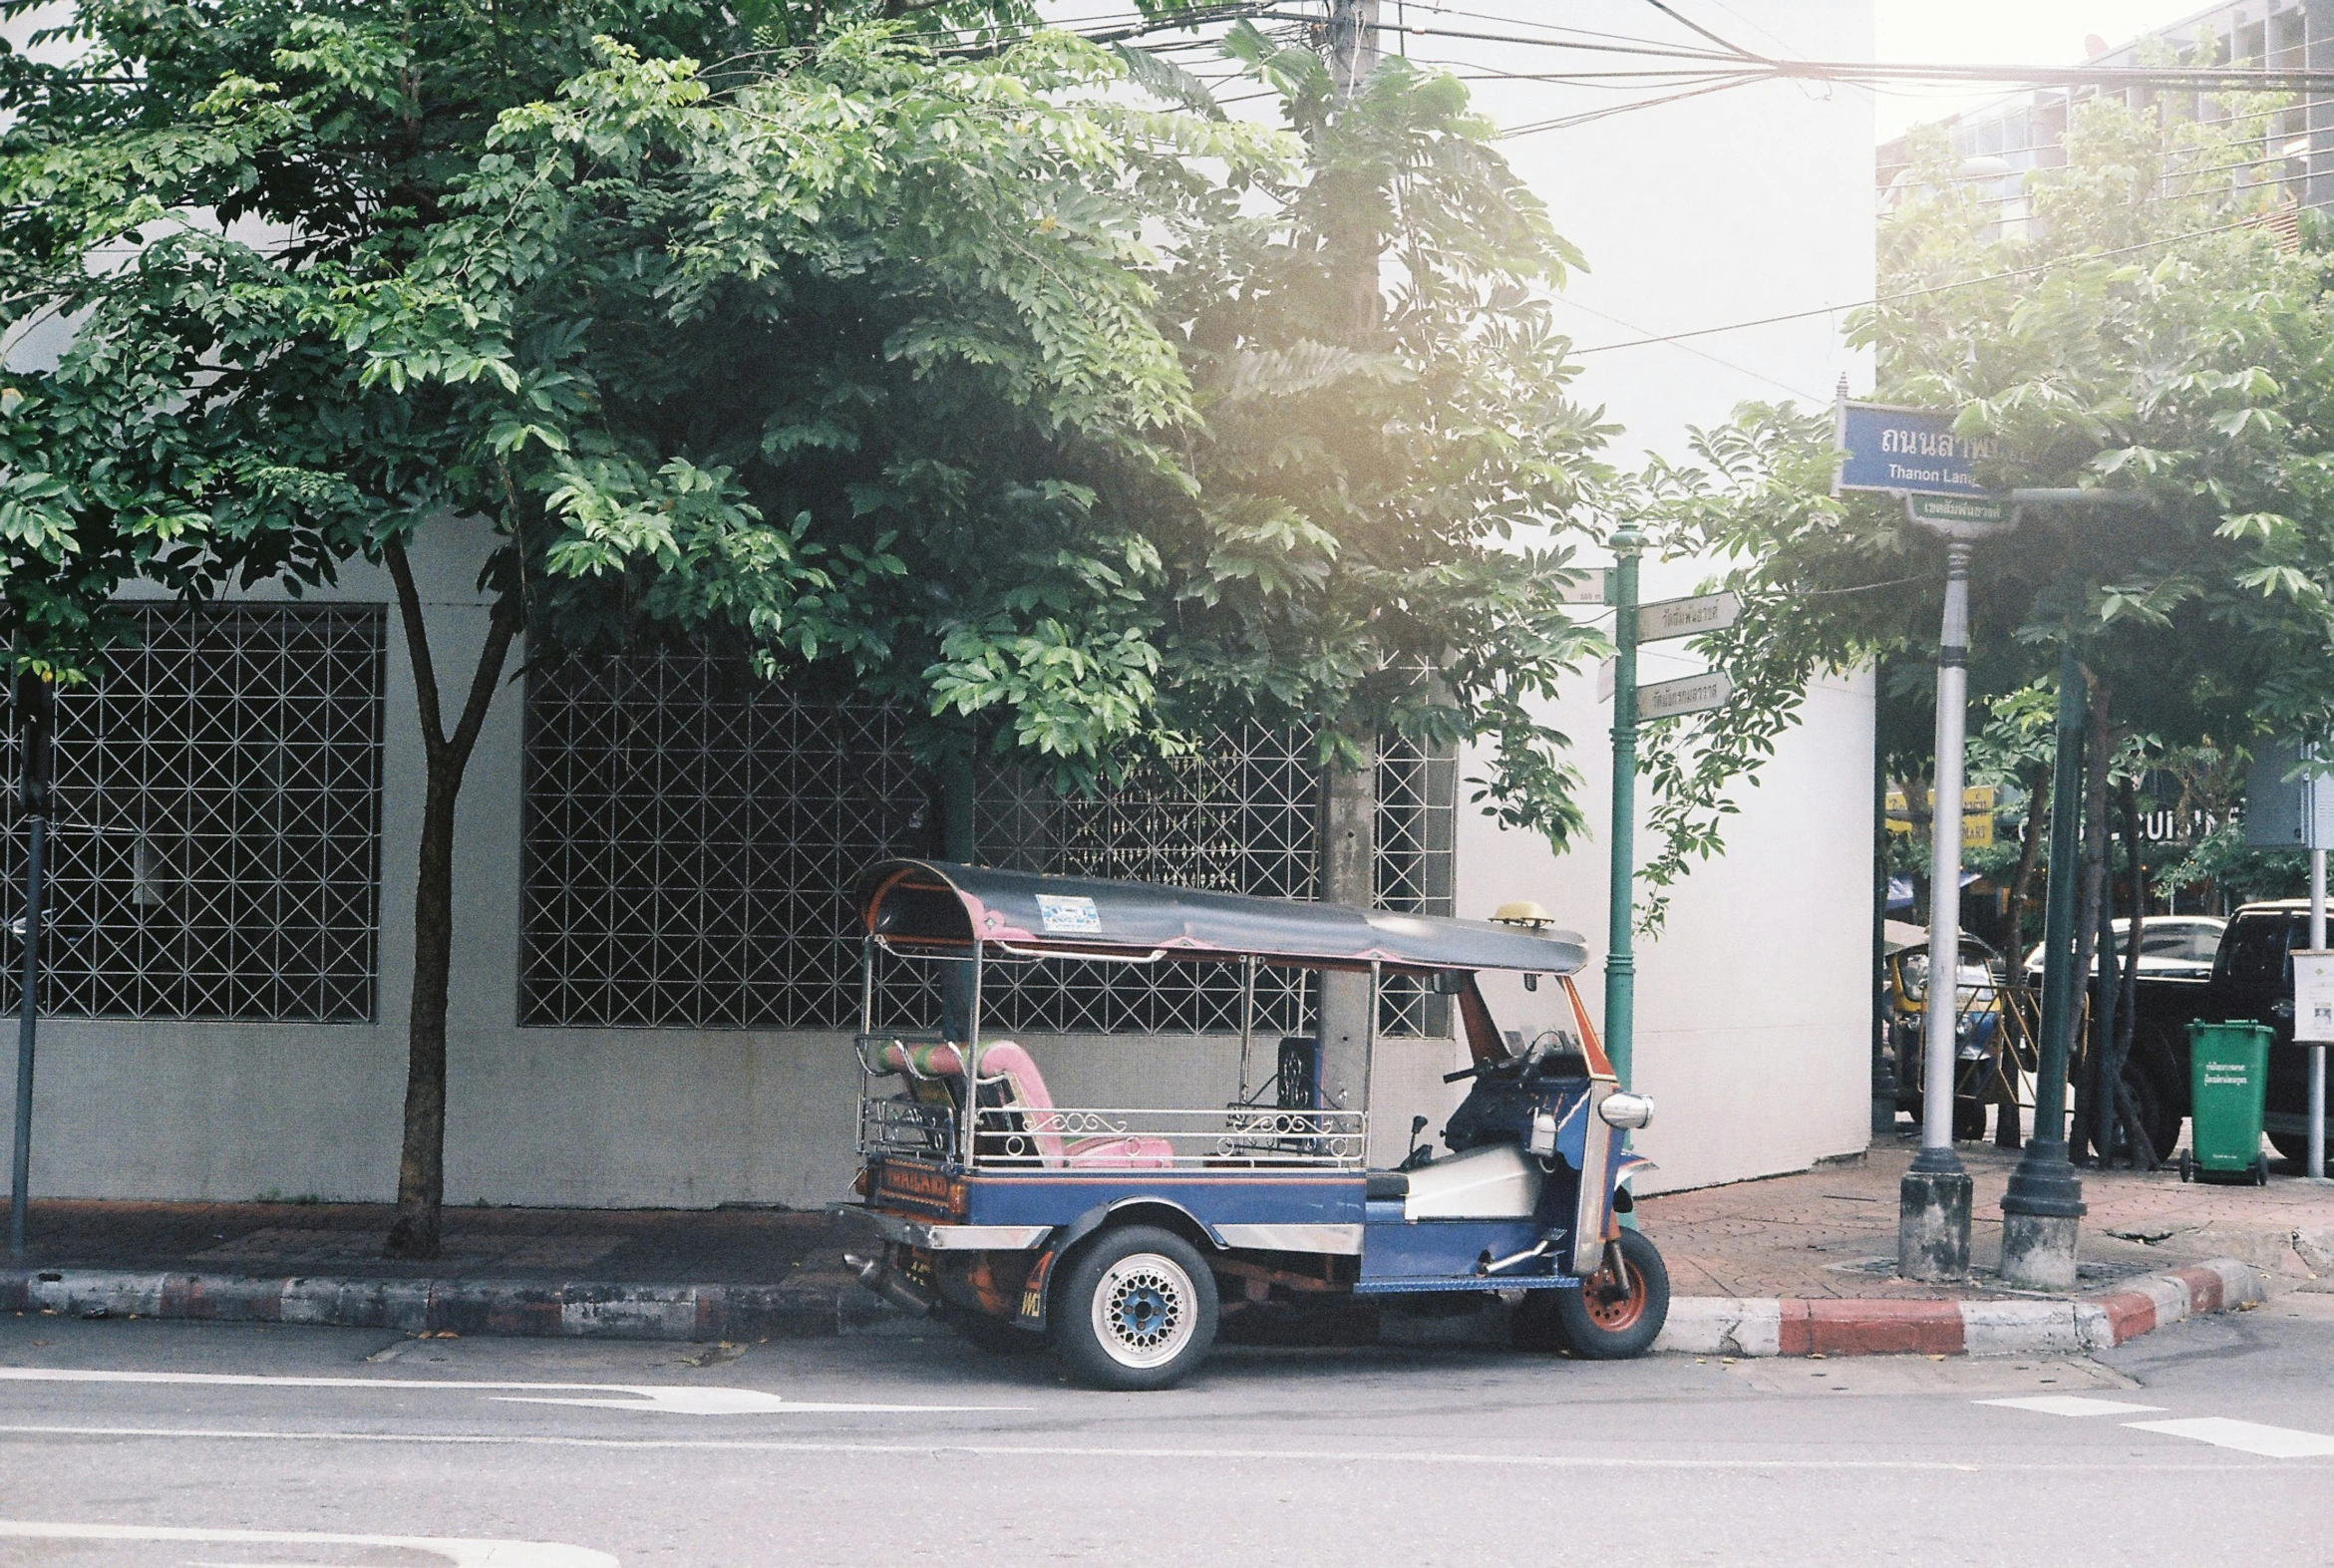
<point>1919,293</point>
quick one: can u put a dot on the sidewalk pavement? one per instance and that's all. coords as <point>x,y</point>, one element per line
<point>1793,1265</point>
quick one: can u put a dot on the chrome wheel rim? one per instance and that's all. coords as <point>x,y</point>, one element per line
<point>1143,1310</point>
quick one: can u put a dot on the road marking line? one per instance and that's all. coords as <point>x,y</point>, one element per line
<point>1378,1457</point>
<point>2071,1404</point>
<point>2273,1442</point>
<point>462,1553</point>
<point>671,1398</point>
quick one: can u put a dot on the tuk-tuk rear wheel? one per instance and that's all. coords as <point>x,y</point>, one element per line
<point>1612,1315</point>
<point>1136,1308</point>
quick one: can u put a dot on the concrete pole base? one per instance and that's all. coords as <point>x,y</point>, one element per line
<point>1932,1225</point>
<point>2038,1250</point>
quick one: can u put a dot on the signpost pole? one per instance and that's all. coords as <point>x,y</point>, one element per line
<point>2316,1164</point>
<point>35,712</point>
<point>1620,961</point>
<point>2041,1211</point>
<point>1932,1224</point>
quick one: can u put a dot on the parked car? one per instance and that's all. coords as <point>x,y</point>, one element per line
<point>2171,947</point>
<point>2251,980</point>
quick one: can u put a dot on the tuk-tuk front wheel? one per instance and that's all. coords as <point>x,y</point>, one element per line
<point>1135,1309</point>
<point>1617,1314</point>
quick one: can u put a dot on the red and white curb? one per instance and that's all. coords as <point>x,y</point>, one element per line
<point>1772,1326</point>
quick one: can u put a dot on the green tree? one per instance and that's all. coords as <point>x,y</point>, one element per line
<point>845,352</point>
<point>1388,440</point>
<point>1387,446</point>
<point>2148,332</point>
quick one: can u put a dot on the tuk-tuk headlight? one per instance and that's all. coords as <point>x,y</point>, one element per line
<point>1626,1110</point>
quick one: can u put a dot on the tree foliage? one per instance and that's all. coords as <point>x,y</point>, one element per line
<point>2149,330</point>
<point>1388,457</point>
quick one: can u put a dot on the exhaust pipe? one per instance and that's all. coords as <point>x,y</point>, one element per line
<point>879,1276</point>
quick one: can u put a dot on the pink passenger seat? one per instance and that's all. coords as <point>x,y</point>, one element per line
<point>1004,1063</point>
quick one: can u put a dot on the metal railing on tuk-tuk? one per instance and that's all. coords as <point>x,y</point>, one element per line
<point>1007,1130</point>
<point>1996,1022</point>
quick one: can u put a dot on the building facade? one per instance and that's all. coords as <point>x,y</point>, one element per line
<point>654,979</point>
<point>2021,132</point>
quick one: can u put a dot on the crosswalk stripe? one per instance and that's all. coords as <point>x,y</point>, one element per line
<point>2273,1442</point>
<point>2071,1404</point>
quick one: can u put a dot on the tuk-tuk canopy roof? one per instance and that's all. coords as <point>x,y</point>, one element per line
<point>935,908</point>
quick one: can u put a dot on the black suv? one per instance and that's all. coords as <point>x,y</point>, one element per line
<point>2252,979</point>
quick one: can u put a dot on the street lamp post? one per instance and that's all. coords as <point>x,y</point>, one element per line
<point>1933,1228</point>
<point>2041,1211</point>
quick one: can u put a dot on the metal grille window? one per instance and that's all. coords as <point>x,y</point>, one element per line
<point>691,834</point>
<point>216,841</point>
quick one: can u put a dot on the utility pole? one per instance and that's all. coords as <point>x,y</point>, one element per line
<point>1348,843</point>
<point>2041,1211</point>
<point>1352,44</point>
<point>2314,1165</point>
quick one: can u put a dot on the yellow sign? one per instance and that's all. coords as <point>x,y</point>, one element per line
<point>1977,815</point>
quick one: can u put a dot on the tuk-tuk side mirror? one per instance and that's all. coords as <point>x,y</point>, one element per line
<point>1448,982</point>
<point>1531,982</point>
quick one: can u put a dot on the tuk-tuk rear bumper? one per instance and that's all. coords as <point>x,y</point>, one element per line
<point>935,1236</point>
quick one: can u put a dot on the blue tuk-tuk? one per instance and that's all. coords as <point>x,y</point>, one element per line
<point>1122,1235</point>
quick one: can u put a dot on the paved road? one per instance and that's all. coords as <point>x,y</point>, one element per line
<point>147,1443</point>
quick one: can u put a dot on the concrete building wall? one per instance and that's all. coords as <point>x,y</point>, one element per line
<point>1753,1001</point>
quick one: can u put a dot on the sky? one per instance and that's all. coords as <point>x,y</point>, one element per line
<point>1993,32</point>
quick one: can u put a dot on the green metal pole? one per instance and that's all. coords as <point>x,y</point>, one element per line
<point>2042,1209</point>
<point>1620,962</point>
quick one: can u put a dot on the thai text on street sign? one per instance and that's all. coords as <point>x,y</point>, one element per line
<point>1710,612</point>
<point>1902,451</point>
<point>1692,694</point>
<point>1977,815</point>
<point>1954,513</point>
<point>2313,996</point>
<point>1592,586</point>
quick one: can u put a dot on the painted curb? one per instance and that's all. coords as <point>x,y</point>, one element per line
<point>813,1307</point>
<point>1720,1326</point>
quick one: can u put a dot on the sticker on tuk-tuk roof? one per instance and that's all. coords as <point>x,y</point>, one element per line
<point>1067,915</point>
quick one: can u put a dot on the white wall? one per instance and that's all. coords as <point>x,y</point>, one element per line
<point>1752,1004</point>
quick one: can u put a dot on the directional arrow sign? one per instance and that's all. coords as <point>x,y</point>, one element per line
<point>1694,694</point>
<point>1710,612</point>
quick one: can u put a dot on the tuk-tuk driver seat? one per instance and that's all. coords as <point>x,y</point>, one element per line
<point>1008,1067</point>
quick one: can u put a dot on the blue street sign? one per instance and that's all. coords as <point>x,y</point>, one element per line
<point>1906,451</point>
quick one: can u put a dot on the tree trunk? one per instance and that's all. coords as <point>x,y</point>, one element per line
<point>1349,876</point>
<point>2101,1079</point>
<point>2098,753</point>
<point>421,1174</point>
<point>2007,1134</point>
<point>2137,1144</point>
<point>1919,812</point>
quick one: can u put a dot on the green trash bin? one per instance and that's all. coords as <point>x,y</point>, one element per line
<point>2228,1071</point>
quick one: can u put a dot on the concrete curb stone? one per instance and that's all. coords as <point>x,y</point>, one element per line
<point>817,1305</point>
<point>1718,1325</point>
